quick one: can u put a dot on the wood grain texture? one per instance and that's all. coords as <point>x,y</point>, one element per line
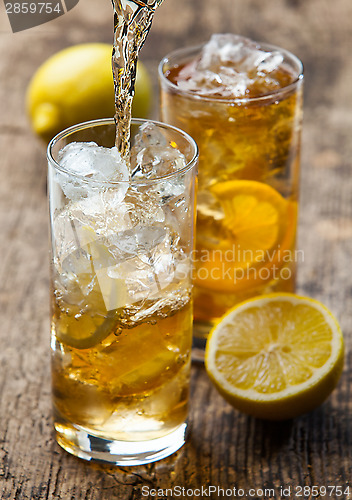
<point>225,448</point>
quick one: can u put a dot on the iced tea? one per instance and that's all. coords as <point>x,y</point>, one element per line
<point>121,290</point>
<point>242,103</point>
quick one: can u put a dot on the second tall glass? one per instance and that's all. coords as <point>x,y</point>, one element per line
<point>248,171</point>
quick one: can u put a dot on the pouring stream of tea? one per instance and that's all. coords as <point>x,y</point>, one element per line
<point>132,22</point>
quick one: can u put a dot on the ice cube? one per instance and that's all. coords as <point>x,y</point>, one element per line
<point>127,244</point>
<point>146,261</point>
<point>224,49</point>
<point>149,135</point>
<point>81,230</point>
<point>144,205</point>
<point>100,215</point>
<point>170,189</point>
<point>63,237</point>
<point>152,156</point>
<point>92,161</point>
<point>270,62</point>
<point>231,66</point>
<point>90,165</point>
<point>73,279</point>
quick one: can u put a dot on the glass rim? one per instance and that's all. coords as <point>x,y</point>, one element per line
<point>110,121</point>
<point>227,100</point>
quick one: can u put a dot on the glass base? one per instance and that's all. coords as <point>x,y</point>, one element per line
<point>201,330</point>
<point>77,441</point>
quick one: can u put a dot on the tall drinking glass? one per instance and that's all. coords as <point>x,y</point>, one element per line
<point>248,166</point>
<point>122,238</point>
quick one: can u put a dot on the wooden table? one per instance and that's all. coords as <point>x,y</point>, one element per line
<point>225,449</point>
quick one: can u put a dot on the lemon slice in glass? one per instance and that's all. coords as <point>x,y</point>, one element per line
<point>258,229</point>
<point>276,356</point>
<point>86,330</point>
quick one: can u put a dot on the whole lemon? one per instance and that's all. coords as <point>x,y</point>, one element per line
<point>76,85</point>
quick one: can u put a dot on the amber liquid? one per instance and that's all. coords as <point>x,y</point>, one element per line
<point>132,23</point>
<point>256,140</point>
<point>131,385</point>
<point>123,373</point>
<point>118,373</point>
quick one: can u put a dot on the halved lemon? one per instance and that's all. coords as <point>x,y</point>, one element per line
<point>276,356</point>
<point>257,231</point>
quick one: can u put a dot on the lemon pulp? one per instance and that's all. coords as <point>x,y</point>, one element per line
<point>258,224</point>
